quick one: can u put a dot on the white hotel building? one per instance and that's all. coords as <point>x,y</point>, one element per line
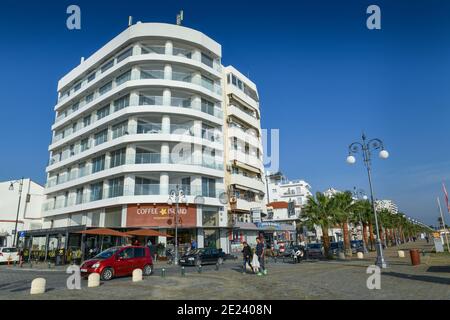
<point>150,111</point>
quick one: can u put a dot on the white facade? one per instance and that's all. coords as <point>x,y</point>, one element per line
<point>29,217</point>
<point>386,205</point>
<point>284,190</point>
<point>150,111</point>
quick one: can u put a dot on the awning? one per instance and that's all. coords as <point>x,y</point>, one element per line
<point>147,233</point>
<point>104,232</point>
<point>246,166</point>
<point>4,234</point>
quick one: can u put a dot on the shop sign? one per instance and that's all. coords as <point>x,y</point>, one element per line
<point>256,215</point>
<point>161,215</point>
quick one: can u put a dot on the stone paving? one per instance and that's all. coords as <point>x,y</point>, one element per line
<point>308,280</point>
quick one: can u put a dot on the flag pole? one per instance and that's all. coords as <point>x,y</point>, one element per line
<point>443,222</point>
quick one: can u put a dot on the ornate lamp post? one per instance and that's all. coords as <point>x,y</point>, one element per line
<point>11,188</point>
<point>176,196</point>
<point>365,148</point>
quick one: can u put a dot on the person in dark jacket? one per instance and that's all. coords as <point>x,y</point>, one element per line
<point>260,254</point>
<point>247,255</point>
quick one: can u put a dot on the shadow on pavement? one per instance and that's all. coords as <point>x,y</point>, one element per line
<point>439,269</point>
<point>431,279</point>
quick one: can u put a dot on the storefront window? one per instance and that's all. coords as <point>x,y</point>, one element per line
<point>211,238</point>
<point>210,218</point>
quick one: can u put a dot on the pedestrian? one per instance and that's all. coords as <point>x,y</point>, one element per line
<point>246,254</point>
<point>193,244</point>
<point>427,238</point>
<point>255,263</point>
<point>260,254</point>
<point>21,256</point>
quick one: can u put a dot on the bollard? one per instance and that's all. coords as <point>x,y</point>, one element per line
<point>137,275</point>
<point>199,270</point>
<point>183,271</point>
<point>163,272</point>
<point>93,280</point>
<point>49,265</point>
<point>360,255</point>
<point>401,253</point>
<point>38,286</point>
<point>341,256</point>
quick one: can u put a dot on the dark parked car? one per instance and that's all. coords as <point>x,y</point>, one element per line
<point>357,246</point>
<point>200,257</point>
<point>336,247</point>
<point>314,250</point>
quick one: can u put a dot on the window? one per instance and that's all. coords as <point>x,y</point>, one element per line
<point>89,98</point>
<point>77,87</point>
<point>96,191</point>
<point>234,80</point>
<point>127,253</point>
<point>115,187</point>
<point>91,77</point>
<point>123,78</point>
<point>103,112</point>
<point>119,130</point>
<point>208,187</point>
<point>101,137</point>
<point>107,66</point>
<point>86,121</point>
<point>105,88</point>
<point>82,170</point>
<point>98,164</point>
<point>124,55</point>
<point>207,107</point>
<point>145,186</point>
<point>79,198</point>
<point>121,103</point>
<point>118,158</point>
<point>139,252</point>
<point>207,60</point>
<point>75,106</point>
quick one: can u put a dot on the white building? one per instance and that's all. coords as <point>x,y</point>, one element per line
<point>284,190</point>
<point>31,199</point>
<point>386,205</point>
<point>143,115</point>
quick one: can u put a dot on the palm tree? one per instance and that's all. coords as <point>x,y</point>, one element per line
<point>343,207</point>
<point>365,208</point>
<point>317,212</point>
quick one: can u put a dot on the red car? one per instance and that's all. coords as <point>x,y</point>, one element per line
<point>119,261</point>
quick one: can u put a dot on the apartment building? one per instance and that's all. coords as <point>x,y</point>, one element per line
<point>152,112</point>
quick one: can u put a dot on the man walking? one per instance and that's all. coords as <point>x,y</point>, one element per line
<point>247,255</point>
<point>260,254</point>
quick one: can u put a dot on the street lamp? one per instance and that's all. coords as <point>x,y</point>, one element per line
<point>11,188</point>
<point>176,196</point>
<point>365,148</point>
<point>359,194</point>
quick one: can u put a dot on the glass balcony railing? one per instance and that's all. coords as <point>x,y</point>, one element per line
<point>152,74</point>
<point>149,100</point>
<point>182,76</point>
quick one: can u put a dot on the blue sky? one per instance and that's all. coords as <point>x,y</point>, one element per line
<point>323,78</point>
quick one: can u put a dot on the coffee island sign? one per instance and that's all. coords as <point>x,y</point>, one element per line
<point>160,215</point>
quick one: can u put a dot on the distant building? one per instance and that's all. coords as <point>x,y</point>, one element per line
<point>29,212</point>
<point>280,189</point>
<point>331,192</point>
<point>386,205</point>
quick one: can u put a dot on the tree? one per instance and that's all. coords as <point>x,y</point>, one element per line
<point>343,207</point>
<point>317,212</point>
<point>368,220</point>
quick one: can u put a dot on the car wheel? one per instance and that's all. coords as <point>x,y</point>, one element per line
<point>148,270</point>
<point>220,261</point>
<point>107,274</point>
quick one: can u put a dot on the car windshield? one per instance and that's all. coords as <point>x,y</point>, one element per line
<point>9,250</point>
<point>314,246</point>
<point>107,253</point>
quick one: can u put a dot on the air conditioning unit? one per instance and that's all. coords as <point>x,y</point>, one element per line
<point>229,167</point>
<point>229,120</point>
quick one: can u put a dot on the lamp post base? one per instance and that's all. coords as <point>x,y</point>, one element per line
<point>380,262</point>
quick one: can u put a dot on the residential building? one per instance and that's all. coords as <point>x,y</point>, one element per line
<point>27,215</point>
<point>386,205</point>
<point>279,188</point>
<point>152,111</point>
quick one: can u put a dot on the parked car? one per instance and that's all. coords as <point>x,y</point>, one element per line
<point>9,254</point>
<point>200,257</point>
<point>295,252</point>
<point>357,246</point>
<point>336,247</point>
<point>119,261</point>
<point>314,250</point>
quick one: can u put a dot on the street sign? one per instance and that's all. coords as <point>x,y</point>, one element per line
<point>22,234</point>
<point>438,244</point>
